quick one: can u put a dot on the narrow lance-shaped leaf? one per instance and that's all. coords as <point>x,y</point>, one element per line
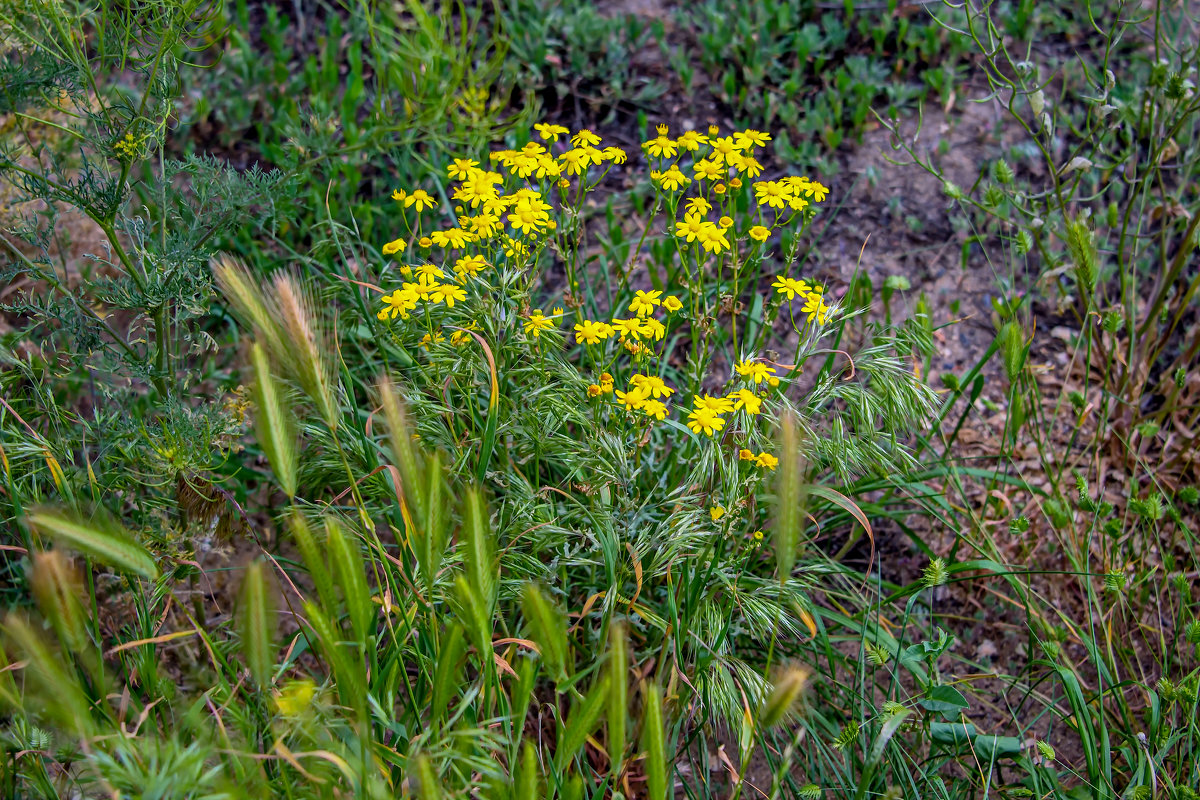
<point>430,537</point>
<point>528,775</point>
<point>274,423</point>
<point>46,678</point>
<point>105,541</point>
<point>256,624</point>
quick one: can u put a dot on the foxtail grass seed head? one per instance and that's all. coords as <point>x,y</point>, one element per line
<point>102,538</point>
<point>57,590</point>
<point>256,623</point>
<point>1081,245</point>
<point>1012,349</point>
<point>847,736</point>
<point>274,423</point>
<point>1192,633</point>
<point>784,697</point>
<point>935,573</point>
<point>306,348</point>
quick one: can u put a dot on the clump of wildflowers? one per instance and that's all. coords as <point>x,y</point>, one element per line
<point>519,209</point>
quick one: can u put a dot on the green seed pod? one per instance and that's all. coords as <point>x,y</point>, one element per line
<point>56,589</point>
<point>1024,242</point>
<point>952,191</point>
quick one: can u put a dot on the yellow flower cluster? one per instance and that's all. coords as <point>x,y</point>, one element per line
<point>634,329</point>
<point>507,210</point>
<point>127,148</point>
<point>764,460</point>
<point>815,309</point>
<point>426,288</point>
<point>716,160</point>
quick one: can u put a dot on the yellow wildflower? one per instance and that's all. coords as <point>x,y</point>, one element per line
<point>398,304</point>
<point>691,141</point>
<point>754,371</point>
<point>789,286</point>
<point>750,138</point>
<point>448,293</point>
<point>460,168</point>
<point>767,461</point>
<point>634,399</point>
<point>645,302</point>
<point>585,138</point>
<point>691,226</point>
<point>655,409</point>
<point>550,132</point>
<point>295,698</point>
<point>614,154</point>
<point>394,246</point>
<point>589,332</point>
<point>720,405</point>
<point>421,199</point>
<point>771,193</point>
<point>707,170</point>
<point>744,398</point>
<point>537,323</point>
<point>671,304</point>
<point>655,386</point>
<point>631,328</point>
<point>653,329</point>
<point>759,233</point>
<point>705,420</point>
<point>661,147</point>
<point>712,238</point>
<point>452,237</point>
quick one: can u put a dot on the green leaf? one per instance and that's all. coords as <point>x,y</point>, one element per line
<point>945,700</point>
